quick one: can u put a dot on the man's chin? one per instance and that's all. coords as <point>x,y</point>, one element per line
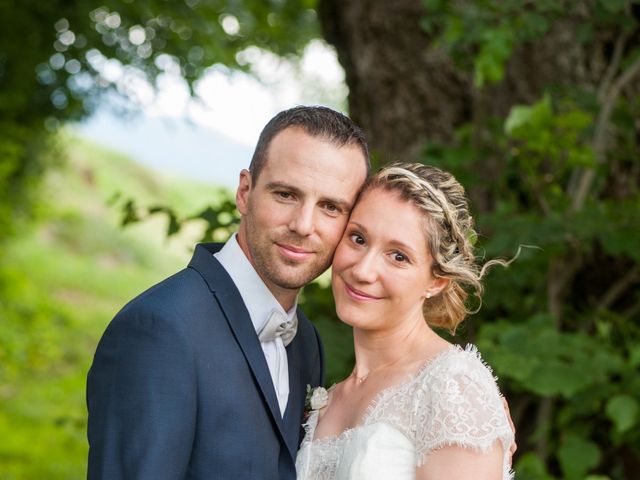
<point>292,283</point>
<point>292,280</point>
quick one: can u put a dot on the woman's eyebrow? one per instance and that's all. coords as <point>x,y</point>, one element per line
<point>393,241</point>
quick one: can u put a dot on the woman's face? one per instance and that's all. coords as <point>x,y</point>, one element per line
<point>382,269</point>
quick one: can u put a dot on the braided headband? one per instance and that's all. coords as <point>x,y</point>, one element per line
<point>397,172</point>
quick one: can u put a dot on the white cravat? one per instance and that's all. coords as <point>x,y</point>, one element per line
<point>271,322</point>
<point>278,325</point>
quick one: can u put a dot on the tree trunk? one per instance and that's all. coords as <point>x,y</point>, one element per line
<point>404,91</point>
<point>401,91</point>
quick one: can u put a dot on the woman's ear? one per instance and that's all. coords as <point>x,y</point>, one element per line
<point>437,285</point>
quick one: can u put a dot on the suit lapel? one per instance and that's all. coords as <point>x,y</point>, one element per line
<point>297,392</point>
<point>240,324</point>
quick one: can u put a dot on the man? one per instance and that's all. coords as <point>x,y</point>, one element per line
<point>204,375</point>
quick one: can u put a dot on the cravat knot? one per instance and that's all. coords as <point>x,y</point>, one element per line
<point>278,325</point>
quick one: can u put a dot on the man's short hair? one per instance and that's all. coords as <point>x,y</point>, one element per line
<point>317,121</point>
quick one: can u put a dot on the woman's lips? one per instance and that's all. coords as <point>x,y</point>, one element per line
<point>359,295</point>
<point>294,253</point>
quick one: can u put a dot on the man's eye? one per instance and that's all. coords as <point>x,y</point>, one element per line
<point>284,195</point>
<point>330,207</point>
<point>357,238</point>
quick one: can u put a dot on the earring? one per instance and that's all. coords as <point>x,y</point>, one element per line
<point>428,295</point>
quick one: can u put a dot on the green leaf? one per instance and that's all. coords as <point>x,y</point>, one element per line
<point>531,467</point>
<point>553,378</point>
<point>522,116</point>
<point>513,365</point>
<point>623,412</point>
<point>577,455</point>
<point>518,117</point>
<point>494,52</point>
<point>634,355</point>
<point>613,6</point>
<point>433,5</point>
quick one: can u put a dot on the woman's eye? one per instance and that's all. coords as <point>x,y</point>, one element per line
<point>357,238</point>
<point>400,257</point>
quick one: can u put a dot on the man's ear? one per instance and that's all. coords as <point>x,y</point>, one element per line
<point>243,192</point>
<point>437,285</point>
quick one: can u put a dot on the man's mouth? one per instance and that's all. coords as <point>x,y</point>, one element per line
<point>293,252</point>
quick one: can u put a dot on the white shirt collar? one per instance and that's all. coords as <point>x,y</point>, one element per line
<point>258,299</point>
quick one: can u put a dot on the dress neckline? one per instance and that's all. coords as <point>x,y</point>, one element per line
<point>378,399</point>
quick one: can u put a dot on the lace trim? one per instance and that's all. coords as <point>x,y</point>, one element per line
<point>393,390</point>
<point>377,400</point>
<point>452,399</point>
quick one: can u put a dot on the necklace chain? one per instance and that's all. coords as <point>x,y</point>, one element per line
<point>361,380</point>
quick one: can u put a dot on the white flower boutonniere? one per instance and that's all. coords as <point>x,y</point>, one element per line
<point>317,398</point>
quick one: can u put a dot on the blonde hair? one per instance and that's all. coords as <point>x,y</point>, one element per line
<point>450,236</point>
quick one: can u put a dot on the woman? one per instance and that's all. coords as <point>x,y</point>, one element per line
<point>414,406</point>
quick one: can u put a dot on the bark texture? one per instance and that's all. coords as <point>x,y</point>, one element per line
<point>400,89</point>
<point>403,90</point>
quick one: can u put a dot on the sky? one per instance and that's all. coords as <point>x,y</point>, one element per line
<point>211,138</point>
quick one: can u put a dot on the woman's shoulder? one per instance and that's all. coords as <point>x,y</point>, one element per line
<point>459,403</point>
<point>457,360</point>
<point>455,376</point>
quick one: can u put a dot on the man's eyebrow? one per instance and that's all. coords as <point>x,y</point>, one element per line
<point>339,202</point>
<point>283,186</point>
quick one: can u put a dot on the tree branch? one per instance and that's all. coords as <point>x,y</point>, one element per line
<point>618,288</point>
<point>600,135</point>
<point>543,421</point>
<point>610,73</point>
<point>632,310</point>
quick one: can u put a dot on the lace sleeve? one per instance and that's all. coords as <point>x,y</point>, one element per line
<point>458,403</point>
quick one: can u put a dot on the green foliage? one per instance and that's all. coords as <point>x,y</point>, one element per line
<point>548,363</point>
<point>61,281</point>
<point>482,36</point>
<point>530,467</point>
<point>560,327</point>
<point>220,218</point>
<point>577,456</point>
<point>623,412</point>
<point>554,326</point>
<point>59,59</point>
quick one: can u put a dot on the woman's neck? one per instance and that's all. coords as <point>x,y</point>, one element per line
<point>378,349</point>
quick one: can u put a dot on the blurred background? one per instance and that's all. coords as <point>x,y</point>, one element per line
<point>124,125</point>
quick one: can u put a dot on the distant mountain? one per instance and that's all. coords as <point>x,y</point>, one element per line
<point>172,146</point>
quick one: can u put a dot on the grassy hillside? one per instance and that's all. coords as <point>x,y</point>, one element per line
<point>60,284</point>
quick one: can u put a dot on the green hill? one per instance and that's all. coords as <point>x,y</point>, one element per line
<point>60,284</point>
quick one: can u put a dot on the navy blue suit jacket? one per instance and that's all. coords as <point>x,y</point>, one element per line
<point>180,389</point>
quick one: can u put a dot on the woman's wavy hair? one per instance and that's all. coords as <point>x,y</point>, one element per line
<point>450,236</point>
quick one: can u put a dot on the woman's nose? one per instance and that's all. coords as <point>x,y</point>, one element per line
<point>365,268</point>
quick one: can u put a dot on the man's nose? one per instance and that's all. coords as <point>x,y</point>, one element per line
<point>302,220</point>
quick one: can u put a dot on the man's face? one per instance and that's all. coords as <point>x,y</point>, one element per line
<point>294,215</point>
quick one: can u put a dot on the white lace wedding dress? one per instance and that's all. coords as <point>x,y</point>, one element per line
<point>452,400</point>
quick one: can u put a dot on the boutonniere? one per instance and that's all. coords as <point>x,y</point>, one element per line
<point>316,398</point>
